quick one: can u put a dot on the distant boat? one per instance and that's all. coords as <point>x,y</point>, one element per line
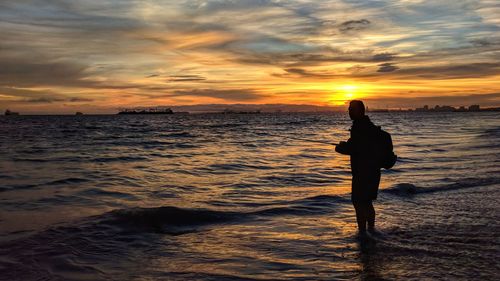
<point>154,110</point>
<point>79,113</point>
<point>8,112</point>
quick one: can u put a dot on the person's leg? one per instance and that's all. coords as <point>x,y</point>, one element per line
<point>360,216</point>
<point>370,215</point>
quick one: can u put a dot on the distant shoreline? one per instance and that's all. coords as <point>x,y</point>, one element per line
<point>262,113</point>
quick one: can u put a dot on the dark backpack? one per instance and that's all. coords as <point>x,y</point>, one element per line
<point>387,156</point>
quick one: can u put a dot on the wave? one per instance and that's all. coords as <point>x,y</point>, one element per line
<point>238,167</point>
<point>119,159</point>
<point>408,159</point>
<point>66,181</point>
<point>117,233</point>
<point>179,135</point>
<point>102,192</point>
<point>298,179</point>
<point>36,160</point>
<point>491,132</point>
<point>408,189</point>
<point>172,220</point>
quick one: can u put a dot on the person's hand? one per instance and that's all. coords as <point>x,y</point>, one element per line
<point>342,148</point>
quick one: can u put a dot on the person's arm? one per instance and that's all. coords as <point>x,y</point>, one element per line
<point>344,147</point>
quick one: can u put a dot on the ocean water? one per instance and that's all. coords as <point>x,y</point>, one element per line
<point>243,197</point>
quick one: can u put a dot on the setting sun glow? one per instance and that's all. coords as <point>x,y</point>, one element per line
<point>349,91</point>
<point>346,92</point>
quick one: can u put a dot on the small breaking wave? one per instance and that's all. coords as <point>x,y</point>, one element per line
<point>173,220</point>
<point>408,189</point>
<point>165,219</point>
<point>169,219</point>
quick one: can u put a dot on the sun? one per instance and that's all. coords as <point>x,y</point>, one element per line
<point>347,91</point>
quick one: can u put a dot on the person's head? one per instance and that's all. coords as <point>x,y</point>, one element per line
<point>356,109</point>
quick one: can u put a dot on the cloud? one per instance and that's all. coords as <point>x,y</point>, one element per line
<point>79,99</point>
<point>303,73</point>
<point>39,96</point>
<point>354,25</point>
<point>454,71</point>
<point>131,51</point>
<point>489,99</point>
<point>314,58</point>
<point>54,99</point>
<point>214,6</point>
<point>186,78</point>
<point>387,67</point>
<point>230,95</point>
<point>383,57</point>
<point>33,71</point>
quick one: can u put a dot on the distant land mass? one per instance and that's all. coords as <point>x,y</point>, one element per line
<point>251,108</point>
<point>201,108</point>
<point>207,108</point>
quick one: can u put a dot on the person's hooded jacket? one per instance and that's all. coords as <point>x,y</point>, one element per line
<point>362,146</point>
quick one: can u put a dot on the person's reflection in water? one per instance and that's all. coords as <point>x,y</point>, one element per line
<point>371,262</point>
<point>365,166</point>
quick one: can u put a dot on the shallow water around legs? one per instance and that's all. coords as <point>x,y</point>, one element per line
<point>244,197</point>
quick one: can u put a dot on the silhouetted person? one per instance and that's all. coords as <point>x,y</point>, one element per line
<point>365,166</point>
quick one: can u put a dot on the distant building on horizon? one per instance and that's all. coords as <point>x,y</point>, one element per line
<point>447,108</point>
<point>149,110</point>
<point>474,107</point>
<point>444,108</point>
<point>425,108</point>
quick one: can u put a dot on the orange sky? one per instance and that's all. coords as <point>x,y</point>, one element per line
<point>97,56</point>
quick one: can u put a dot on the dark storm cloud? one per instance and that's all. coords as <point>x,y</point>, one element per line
<point>231,95</point>
<point>387,67</point>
